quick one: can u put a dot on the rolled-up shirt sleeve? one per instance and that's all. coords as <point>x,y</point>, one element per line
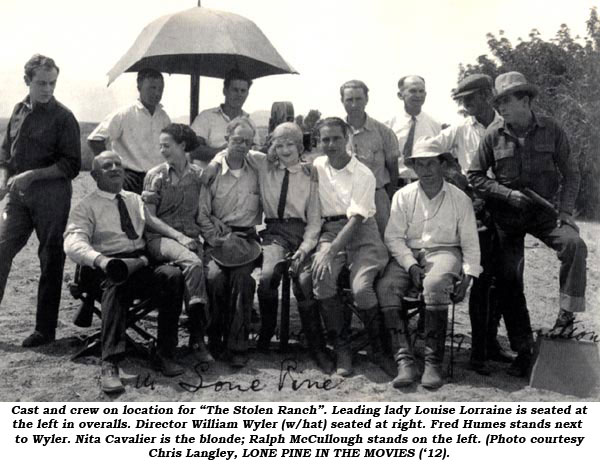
<point>208,229</point>
<point>477,174</point>
<point>396,233</point>
<point>109,129</point>
<point>78,235</point>
<point>362,198</point>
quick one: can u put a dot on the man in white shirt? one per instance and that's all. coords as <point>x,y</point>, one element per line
<point>107,224</point>
<point>432,237</point>
<point>133,131</point>
<point>474,93</point>
<point>412,124</point>
<point>349,237</point>
<point>211,124</point>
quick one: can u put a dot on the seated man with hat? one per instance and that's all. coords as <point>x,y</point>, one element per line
<point>229,211</point>
<point>432,237</point>
<point>534,191</point>
<point>108,224</point>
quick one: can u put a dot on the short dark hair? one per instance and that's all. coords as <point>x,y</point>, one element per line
<point>354,84</point>
<point>182,133</point>
<point>148,73</point>
<point>236,74</point>
<point>39,61</point>
<point>331,122</point>
<point>403,79</point>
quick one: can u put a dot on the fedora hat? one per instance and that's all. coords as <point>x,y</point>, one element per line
<point>236,251</point>
<point>472,84</point>
<point>512,82</point>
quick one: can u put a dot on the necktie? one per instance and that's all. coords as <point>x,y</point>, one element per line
<point>408,145</point>
<point>283,194</point>
<point>126,224</point>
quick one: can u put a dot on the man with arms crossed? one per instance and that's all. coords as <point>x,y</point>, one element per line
<point>374,144</point>
<point>133,131</point>
<point>39,157</point>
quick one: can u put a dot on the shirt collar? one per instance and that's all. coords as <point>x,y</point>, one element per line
<point>107,195</point>
<point>350,167</point>
<point>292,169</point>
<point>186,168</point>
<point>219,110</point>
<point>49,106</point>
<point>140,106</point>
<point>535,122</point>
<point>442,190</point>
<point>409,117</point>
<point>368,125</point>
<point>225,167</point>
<point>474,122</point>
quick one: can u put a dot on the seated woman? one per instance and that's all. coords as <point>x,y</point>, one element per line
<point>171,192</point>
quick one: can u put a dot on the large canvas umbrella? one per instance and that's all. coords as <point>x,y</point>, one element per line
<point>202,41</point>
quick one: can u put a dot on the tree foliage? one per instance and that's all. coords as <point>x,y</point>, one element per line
<point>567,73</point>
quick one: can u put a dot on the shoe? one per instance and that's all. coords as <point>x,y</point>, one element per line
<point>110,381</point>
<point>323,361</point>
<point>480,367</point>
<point>238,360</point>
<point>436,322</point>
<point>520,366</point>
<point>432,376</point>
<point>343,361</point>
<point>564,325</point>
<point>200,352</point>
<point>262,344</point>
<point>407,372</point>
<point>498,354</point>
<point>167,366</point>
<point>37,338</point>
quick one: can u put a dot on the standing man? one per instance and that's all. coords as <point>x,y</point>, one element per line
<point>349,237</point>
<point>133,131</point>
<point>39,157</point>
<point>229,211</point>
<point>374,144</point>
<point>432,236</point>
<point>211,124</point>
<point>413,124</point>
<point>475,94</point>
<point>531,159</point>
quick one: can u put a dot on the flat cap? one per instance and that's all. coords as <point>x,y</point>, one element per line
<point>472,84</point>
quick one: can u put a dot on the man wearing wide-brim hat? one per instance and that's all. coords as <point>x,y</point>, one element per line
<point>432,237</point>
<point>534,191</point>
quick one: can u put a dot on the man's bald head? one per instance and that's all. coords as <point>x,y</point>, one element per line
<point>107,171</point>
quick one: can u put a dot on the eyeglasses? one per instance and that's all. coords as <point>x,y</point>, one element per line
<point>241,141</point>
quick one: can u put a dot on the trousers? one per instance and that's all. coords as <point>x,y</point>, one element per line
<point>44,207</point>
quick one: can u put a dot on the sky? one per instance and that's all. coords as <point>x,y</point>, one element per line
<point>327,41</point>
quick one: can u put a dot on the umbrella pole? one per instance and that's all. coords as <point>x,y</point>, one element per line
<point>194,97</point>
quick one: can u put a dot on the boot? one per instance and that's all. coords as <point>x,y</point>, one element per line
<point>268,321</point>
<point>436,323</point>
<point>196,328</point>
<point>313,332</point>
<point>372,322</point>
<point>333,313</point>
<point>401,345</point>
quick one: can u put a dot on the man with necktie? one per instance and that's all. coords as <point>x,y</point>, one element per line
<point>109,224</point>
<point>413,123</point>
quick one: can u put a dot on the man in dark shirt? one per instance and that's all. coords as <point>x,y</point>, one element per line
<point>39,157</point>
<point>530,157</point>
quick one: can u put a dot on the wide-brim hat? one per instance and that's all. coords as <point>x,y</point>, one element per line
<point>424,148</point>
<point>513,82</point>
<point>472,84</point>
<point>236,251</point>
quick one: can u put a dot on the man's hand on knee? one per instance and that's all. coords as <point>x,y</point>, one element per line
<point>417,273</point>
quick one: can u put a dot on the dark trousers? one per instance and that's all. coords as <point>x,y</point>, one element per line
<point>231,293</point>
<point>134,181</point>
<point>164,284</point>
<point>44,207</point>
<point>571,251</point>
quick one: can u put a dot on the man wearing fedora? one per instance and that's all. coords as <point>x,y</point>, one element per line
<point>432,238</point>
<point>229,211</point>
<point>109,224</point>
<point>534,171</point>
<point>474,93</point>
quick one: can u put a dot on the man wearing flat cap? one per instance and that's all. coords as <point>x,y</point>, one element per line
<point>536,184</point>
<point>475,93</point>
<point>432,237</point>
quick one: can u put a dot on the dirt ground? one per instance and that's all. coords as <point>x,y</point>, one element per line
<point>48,374</point>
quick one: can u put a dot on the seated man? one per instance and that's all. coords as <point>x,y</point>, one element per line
<point>230,208</point>
<point>349,237</point>
<point>432,236</point>
<point>108,224</point>
<point>290,201</point>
